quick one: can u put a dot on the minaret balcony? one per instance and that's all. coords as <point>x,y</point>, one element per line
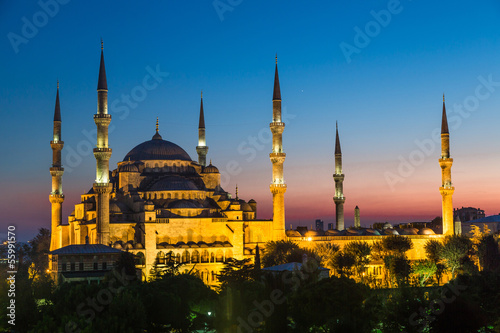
<point>56,143</point>
<point>102,150</point>
<point>102,115</point>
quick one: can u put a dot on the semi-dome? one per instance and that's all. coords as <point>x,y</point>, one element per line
<point>210,169</point>
<point>128,168</point>
<point>157,149</point>
<point>173,183</point>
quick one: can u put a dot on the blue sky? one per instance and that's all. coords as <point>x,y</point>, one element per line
<point>386,97</point>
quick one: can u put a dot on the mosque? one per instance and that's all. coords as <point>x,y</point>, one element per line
<point>161,205</point>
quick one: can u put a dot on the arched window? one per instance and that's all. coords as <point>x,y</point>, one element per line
<point>220,256</point>
<point>205,256</point>
<point>139,259</point>
<point>195,257</point>
<point>178,258</point>
<point>160,258</point>
<point>185,257</point>
<point>212,257</point>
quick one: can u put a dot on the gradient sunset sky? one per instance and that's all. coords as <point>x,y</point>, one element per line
<point>378,67</point>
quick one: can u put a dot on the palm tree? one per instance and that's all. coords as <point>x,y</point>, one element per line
<point>325,252</point>
<point>361,252</point>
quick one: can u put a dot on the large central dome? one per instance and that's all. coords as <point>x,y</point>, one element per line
<point>157,149</point>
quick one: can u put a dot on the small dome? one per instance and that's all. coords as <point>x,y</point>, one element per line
<point>128,168</point>
<point>210,169</point>
<point>353,232</point>
<point>332,232</point>
<point>426,231</point>
<point>252,201</point>
<point>387,225</point>
<point>390,232</point>
<point>293,233</point>
<point>372,232</point>
<point>245,206</point>
<point>409,231</point>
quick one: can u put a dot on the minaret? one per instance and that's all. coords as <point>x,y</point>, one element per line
<point>446,188</point>
<point>56,171</point>
<point>278,186</point>
<point>338,177</point>
<point>357,220</point>
<point>202,147</point>
<point>102,153</point>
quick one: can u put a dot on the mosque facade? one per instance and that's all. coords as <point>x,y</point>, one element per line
<point>161,205</point>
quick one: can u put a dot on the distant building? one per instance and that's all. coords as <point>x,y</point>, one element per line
<point>468,213</point>
<point>331,226</point>
<point>319,225</point>
<point>493,223</point>
<point>85,262</point>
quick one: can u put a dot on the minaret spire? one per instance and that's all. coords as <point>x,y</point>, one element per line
<point>101,82</point>
<point>277,90</point>
<point>102,153</point>
<point>202,147</point>
<point>446,188</point>
<point>338,177</point>
<point>56,171</point>
<point>57,109</point>
<point>277,156</point>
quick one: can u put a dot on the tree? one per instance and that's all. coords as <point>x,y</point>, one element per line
<point>392,251</point>
<point>424,270</point>
<point>476,239</point>
<point>236,272</point>
<point>488,252</point>
<point>455,254</point>
<point>283,252</point>
<point>361,252</point>
<point>343,263</point>
<point>36,251</point>
<point>326,251</point>
<point>433,250</point>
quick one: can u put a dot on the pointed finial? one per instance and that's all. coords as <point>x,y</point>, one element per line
<point>102,44</point>
<point>57,109</point>
<point>276,91</point>
<point>444,120</point>
<point>202,93</point>
<point>338,150</point>
<point>236,191</point>
<point>157,135</point>
<point>210,161</point>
